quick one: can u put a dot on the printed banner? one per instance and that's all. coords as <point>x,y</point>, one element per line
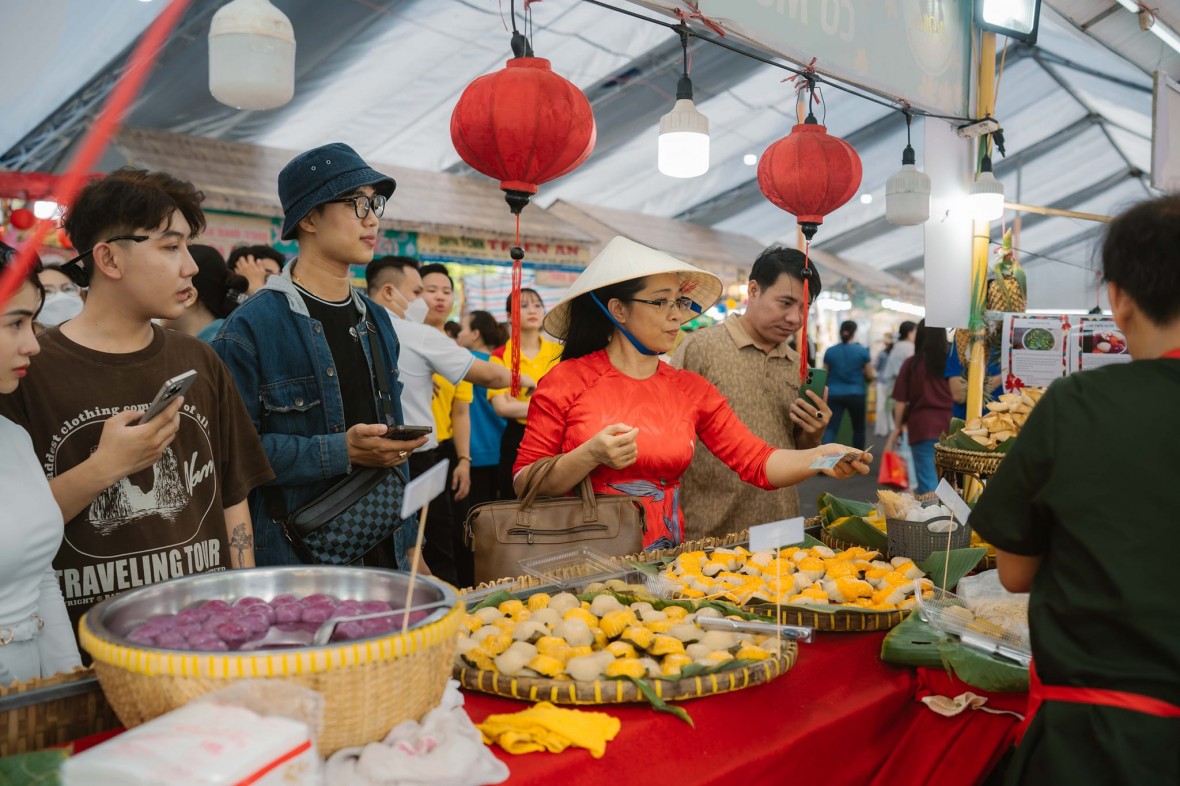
<point>1100,343</point>
<point>1036,349</point>
<point>445,248</point>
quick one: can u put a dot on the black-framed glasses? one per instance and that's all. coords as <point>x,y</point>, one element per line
<point>665,304</point>
<point>74,270</point>
<point>362,205</point>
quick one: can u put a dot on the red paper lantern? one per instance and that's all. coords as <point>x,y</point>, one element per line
<point>22,218</point>
<point>523,125</point>
<point>809,173</point>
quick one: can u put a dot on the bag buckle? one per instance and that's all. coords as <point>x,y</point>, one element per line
<point>530,537</point>
<point>6,636</point>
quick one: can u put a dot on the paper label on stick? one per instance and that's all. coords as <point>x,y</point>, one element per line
<point>948,496</point>
<point>776,534</point>
<point>422,489</point>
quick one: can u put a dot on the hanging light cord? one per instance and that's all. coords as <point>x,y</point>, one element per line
<point>875,97</point>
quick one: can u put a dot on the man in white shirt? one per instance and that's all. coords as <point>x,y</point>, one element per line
<point>394,282</point>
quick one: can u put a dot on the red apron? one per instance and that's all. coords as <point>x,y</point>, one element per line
<point>1136,702</point>
<point>1175,353</point>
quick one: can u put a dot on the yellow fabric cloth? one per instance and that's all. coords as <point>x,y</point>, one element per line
<point>536,367</point>
<point>544,727</point>
<point>445,394</point>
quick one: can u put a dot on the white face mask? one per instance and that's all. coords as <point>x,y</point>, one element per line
<point>59,307</point>
<point>416,311</point>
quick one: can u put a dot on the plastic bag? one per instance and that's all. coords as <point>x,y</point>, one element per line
<point>893,471</point>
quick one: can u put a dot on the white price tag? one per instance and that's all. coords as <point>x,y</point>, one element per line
<point>425,487</point>
<point>776,534</point>
<point>948,496</point>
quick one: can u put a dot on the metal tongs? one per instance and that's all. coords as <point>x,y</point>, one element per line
<point>992,647</point>
<point>795,632</point>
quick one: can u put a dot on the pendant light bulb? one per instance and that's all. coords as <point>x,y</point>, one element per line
<point>683,149</point>
<point>907,192</point>
<point>987,194</point>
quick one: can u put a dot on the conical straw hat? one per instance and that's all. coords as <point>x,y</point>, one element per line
<point>623,260</point>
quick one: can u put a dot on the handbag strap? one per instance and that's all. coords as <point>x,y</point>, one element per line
<point>536,476</point>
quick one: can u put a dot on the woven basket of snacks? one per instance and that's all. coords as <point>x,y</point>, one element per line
<point>45,713</point>
<point>372,677</point>
<point>606,648</point>
<point>969,462</point>
<point>850,590</point>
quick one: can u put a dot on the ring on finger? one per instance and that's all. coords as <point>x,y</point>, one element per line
<point>819,414</point>
<point>402,454</point>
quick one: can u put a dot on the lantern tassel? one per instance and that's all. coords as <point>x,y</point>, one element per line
<point>514,317</point>
<point>806,272</point>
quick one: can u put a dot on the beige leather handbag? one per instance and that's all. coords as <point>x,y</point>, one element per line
<point>504,533</point>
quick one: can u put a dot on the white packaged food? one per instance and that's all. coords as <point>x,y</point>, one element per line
<point>202,744</point>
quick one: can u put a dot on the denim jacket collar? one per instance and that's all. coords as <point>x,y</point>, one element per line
<point>285,284</point>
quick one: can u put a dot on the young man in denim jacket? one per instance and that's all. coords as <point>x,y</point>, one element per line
<point>299,349</point>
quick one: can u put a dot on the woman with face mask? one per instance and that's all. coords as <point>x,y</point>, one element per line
<point>35,632</point>
<point>63,298</point>
<point>611,411</point>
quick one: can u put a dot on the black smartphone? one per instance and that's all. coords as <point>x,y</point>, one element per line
<point>406,433</point>
<point>817,380</point>
<point>177,386</point>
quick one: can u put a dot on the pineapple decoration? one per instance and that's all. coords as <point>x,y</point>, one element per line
<point>1007,291</point>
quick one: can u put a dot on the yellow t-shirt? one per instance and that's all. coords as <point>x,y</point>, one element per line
<point>536,367</point>
<point>440,404</point>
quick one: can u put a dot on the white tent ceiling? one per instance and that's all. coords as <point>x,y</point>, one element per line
<point>384,75</point>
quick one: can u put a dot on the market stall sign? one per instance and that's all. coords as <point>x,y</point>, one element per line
<point>919,51</point>
<point>465,249</point>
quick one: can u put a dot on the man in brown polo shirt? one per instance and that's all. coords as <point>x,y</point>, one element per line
<point>748,359</point>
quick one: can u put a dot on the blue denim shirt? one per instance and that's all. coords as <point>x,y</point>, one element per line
<point>279,358</point>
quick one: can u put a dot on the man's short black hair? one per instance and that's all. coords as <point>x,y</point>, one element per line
<point>394,263</point>
<point>1141,254</point>
<point>776,260</point>
<point>258,252</point>
<point>435,267</point>
<point>130,200</point>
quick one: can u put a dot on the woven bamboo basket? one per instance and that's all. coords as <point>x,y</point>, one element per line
<point>45,713</point>
<point>621,691</point>
<point>969,462</point>
<point>368,686</point>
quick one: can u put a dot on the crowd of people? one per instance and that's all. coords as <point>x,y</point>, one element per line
<point>303,381</point>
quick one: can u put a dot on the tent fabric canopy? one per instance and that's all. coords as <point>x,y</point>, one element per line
<point>384,75</point>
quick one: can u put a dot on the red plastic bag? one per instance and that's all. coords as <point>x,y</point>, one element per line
<point>893,471</point>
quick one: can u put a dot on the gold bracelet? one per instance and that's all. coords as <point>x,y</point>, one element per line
<point>463,458</point>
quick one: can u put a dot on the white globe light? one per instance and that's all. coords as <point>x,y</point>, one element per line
<point>750,159</point>
<point>907,197</point>
<point>684,141</point>
<point>987,197</point>
<point>251,55</point>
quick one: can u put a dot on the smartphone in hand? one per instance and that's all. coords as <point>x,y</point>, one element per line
<point>177,386</point>
<point>817,380</point>
<point>408,433</point>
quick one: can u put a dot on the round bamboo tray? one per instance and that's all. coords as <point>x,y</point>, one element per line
<point>622,691</point>
<point>970,462</point>
<point>839,621</point>
<point>368,686</point>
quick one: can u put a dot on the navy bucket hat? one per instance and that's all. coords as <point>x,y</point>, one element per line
<point>327,172</point>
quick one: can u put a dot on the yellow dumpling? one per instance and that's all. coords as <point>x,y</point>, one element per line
<point>581,652</point>
<point>539,601</point>
<point>472,623</point>
<point>547,665</point>
<point>659,626</point>
<point>506,624</point>
<point>615,622</point>
<point>639,636</point>
<point>494,645</point>
<point>581,614</point>
<point>675,613</point>
<point>750,652</point>
<point>621,649</point>
<point>665,645</point>
<point>625,667</point>
<point>550,645</point>
<point>511,607</point>
<point>720,656</point>
<point>674,664</point>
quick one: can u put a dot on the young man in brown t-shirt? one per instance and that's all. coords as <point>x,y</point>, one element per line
<point>148,502</point>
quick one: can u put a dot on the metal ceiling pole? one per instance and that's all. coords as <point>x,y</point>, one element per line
<point>985,106</point>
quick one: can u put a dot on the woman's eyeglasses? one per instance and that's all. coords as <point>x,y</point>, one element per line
<point>665,304</point>
<point>362,205</point>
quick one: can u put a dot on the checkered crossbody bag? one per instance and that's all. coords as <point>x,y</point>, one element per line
<point>348,520</point>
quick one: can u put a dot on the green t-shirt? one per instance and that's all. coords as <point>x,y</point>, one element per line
<point>1093,486</point>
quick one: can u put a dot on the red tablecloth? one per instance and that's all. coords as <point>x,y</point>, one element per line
<point>840,715</point>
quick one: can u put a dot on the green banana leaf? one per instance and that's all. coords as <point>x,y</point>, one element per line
<point>493,600</point>
<point>955,438</point>
<point>861,533</point>
<point>912,643</point>
<point>33,769</point>
<point>944,572</point>
<point>839,508</point>
<point>980,670</point>
<point>657,703</point>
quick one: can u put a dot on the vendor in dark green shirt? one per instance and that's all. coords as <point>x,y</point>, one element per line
<point>1083,514</point>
